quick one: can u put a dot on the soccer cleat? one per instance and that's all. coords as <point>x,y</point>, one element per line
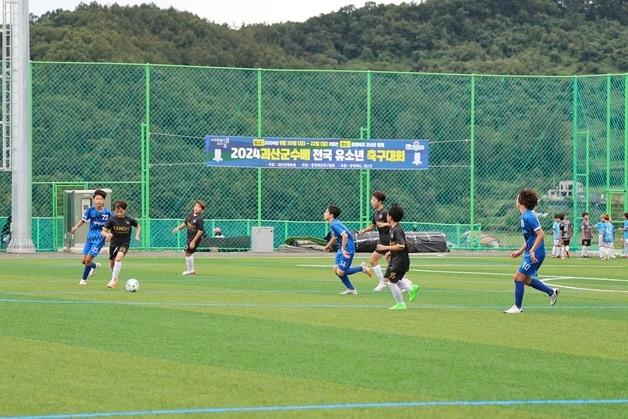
<point>367,270</point>
<point>413,292</point>
<point>399,306</point>
<point>188,273</point>
<point>554,296</point>
<point>514,310</point>
<point>349,292</point>
<point>380,287</point>
<point>93,270</point>
<point>83,282</point>
<point>112,284</point>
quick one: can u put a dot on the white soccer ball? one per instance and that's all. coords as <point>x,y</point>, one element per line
<point>132,285</point>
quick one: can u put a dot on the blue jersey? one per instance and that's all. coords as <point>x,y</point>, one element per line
<point>337,229</point>
<point>606,230</point>
<point>529,227</point>
<point>625,229</point>
<point>556,230</point>
<point>97,220</point>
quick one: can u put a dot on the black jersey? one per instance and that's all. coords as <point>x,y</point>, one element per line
<point>194,224</point>
<point>399,260</point>
<point>381,216</point>
<point>121,229</point>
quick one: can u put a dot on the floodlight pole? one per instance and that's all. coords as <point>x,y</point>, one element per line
<point>21,164</point>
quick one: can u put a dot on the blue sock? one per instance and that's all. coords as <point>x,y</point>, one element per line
<point>345,280</point>
<point>352,271</point>
<point>86,271</point>
<point>539,285</point>
<point>519,289</point>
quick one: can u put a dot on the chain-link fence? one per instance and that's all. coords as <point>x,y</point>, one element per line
<point>139,129</point>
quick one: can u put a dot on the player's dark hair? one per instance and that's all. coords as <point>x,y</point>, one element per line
<point>334,210</point>
<point>201,203</point>
<point>625,214</point>
<point>380,196</point>
<point>606,217</point>
<point>395,212</point>
<point>120,204</point>
<point>100,192</point>
<point>528,198</point>
<point>561,217</point>
<point>556,215</point>
<point>585,213</point>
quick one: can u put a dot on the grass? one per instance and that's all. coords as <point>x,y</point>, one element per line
<point>273,331</point>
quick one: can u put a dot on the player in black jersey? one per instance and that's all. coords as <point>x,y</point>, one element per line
<point>399,260</point>
<point>379,221</point>
<point>118,231</point>
<point>195,225</point>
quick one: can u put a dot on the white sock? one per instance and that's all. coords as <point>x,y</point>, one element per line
<point>116,270</point>
<point>403,285</point>
<point>406,281</point>
<point>567,249</point>
<point>189,261</point>
<point>396,292</point>
<point>562,251</point>
<point>585,250</point>
<point>377,270</point>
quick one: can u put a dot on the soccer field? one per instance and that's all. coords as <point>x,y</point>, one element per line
<point>271,337</point>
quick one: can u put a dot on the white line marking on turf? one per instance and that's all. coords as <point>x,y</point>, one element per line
<point>335,406</point>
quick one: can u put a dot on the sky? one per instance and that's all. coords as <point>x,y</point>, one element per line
<point>232,12</point>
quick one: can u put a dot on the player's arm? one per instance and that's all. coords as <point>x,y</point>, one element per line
<point>106,233</point>
<point>138,230</point>
<point>179,227</point>
<point>519,252</point>
<point>343,245</point>
<point>367,229</point>
<point>329,245</point>
<point>540,235</point>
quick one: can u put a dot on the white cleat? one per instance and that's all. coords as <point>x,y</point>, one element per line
<point>349,292</point>
<point>83,282</point>
<point>554,297</point>
<point>513,310</point>
<point>93,270</point>
<point>112,284</point>
<point>188,273</point>
<point>380,287</point>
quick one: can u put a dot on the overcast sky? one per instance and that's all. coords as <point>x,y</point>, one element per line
<point>231,12</point>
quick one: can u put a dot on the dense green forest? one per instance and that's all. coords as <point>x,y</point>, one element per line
<point>462,36</point>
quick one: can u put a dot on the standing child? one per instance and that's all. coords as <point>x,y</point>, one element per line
<point>566,228</point>
<point>586,230</point>
<point>118,230</point>
<point>556,237</point>
<point>607,236</point>
<point>195,225</point>
<point>533,252</point>
<point>625,229</point>
<point>97,216</point>
<point>399,260</point>
<point>346,250</point>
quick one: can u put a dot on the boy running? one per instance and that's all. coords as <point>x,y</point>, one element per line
<point>399,260</point>
<point>97,216</point>
<point>346,250</point>
<point>586,230</point>
<point>533,252</point>
<point>118,230</point>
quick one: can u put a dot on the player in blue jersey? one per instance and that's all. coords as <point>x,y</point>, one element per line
<point>533,252</point>
<point>607,237</point>
<point>556,239</point>
<point>97,216</point>
<point>346,250</point>
<point>625,229</point>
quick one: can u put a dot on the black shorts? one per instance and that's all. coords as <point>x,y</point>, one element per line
<point>115,248</point>
<point>586,242</point>
<point>566,242</point>
<point>190,251</point>
<point>394,274</point>
<point>385,243</point>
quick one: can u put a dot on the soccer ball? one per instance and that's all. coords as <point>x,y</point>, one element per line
<point>132,285</point>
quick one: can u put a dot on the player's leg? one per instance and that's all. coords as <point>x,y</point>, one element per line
<point>534,282</point>
<point>626,248</point>
<point>392,280</point>
<point>189,261</point>
<point>377,270</point>
<point>342,265</point>
<point>89,251</point>
<point>117,266</point>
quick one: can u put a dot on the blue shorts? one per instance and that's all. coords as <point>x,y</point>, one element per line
<point>530,268</point>
<point>93,248</point>
<point>342,262</point>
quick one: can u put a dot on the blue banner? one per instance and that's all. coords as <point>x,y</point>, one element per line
<point>316,153</point>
